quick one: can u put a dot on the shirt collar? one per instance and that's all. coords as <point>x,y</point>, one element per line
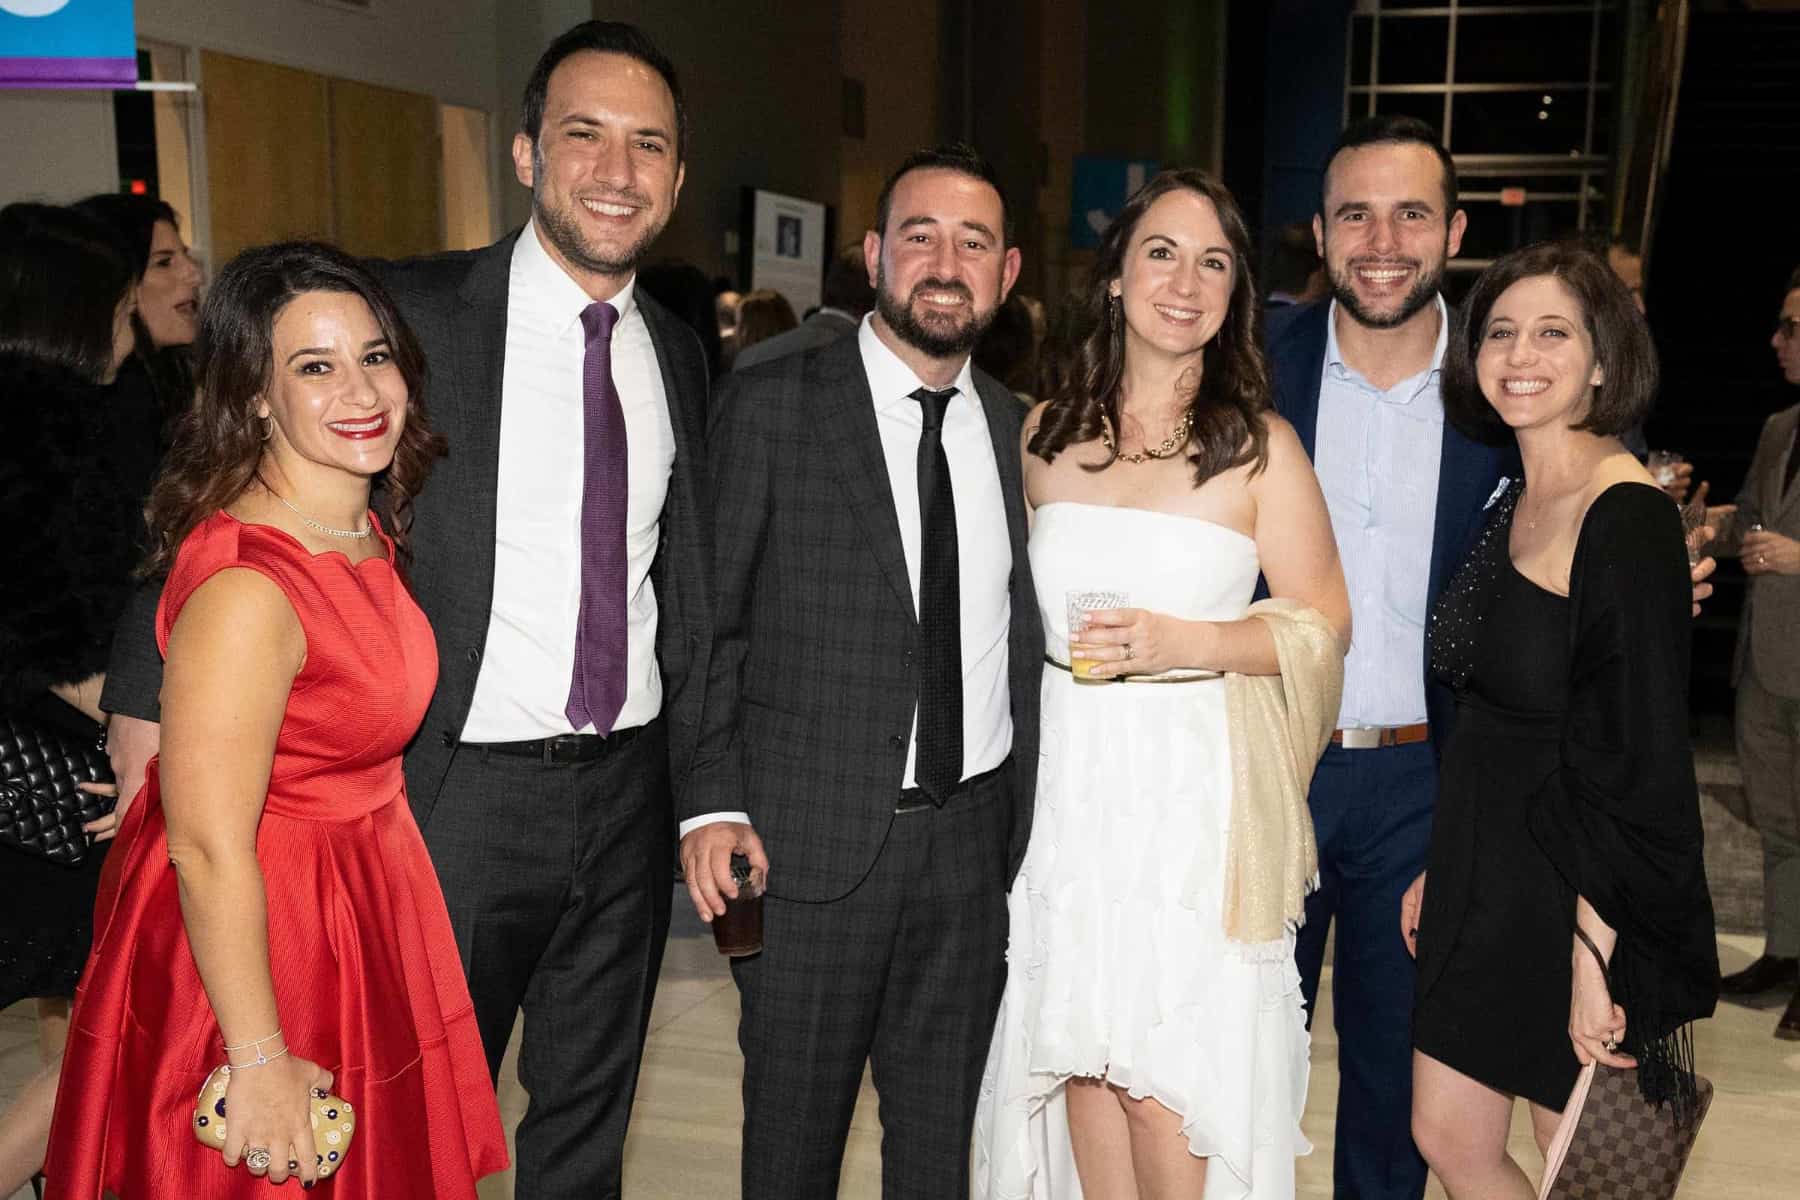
<point>546,291</point>
<point>1334,358</point>
<point>892,382</point>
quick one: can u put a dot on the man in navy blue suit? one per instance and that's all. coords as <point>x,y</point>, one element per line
<point>1357,375</point>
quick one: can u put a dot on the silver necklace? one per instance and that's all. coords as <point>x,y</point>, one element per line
<point>364,532</point>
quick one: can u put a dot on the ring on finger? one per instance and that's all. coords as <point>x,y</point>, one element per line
<point>258,1158</point>
<point>1610,1045</point>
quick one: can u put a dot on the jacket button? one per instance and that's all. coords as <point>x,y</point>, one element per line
<point>474,656</point>
<point>907,658</point>
<point>896,741</point>
<point>449,740</point>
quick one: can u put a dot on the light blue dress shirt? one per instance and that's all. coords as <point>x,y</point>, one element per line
<point>1377,454</point>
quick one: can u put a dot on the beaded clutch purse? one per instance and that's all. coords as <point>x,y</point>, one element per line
<point>333,1121</point>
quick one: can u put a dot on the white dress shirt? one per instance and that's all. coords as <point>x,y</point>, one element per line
<point>523,684</point>
<point>983,548</point>
<point>1378,454</point>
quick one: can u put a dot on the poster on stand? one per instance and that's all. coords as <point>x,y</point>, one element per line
<point>785,240</point>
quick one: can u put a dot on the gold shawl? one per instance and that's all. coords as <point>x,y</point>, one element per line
<point>1279,725</point>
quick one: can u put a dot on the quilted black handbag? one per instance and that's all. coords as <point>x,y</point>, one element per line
<point>41,810</point>
<point>1612,1144</point>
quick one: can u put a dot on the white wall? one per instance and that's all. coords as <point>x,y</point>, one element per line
<point>59,145</point>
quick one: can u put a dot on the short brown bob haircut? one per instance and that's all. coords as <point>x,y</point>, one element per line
<point>1621,341</point>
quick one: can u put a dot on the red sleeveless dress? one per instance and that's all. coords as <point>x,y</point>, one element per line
<point>367,976</point>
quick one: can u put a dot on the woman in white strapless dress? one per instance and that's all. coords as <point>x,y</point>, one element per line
<point>1138,1051</point>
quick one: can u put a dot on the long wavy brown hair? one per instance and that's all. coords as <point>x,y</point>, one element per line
<point>218,443</point>
<point>1227,409</point>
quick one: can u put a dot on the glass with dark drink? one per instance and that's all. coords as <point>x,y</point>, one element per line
<point>740,931</point>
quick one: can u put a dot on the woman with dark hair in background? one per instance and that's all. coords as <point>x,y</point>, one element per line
<point>156,383</point>
<point>1151,1029</point>
<point>1567,828</point>
<point>761,315</point>
<point>270,905</point>
<point>66,301</point>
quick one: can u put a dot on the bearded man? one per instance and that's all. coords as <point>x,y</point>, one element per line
<point>876,668</point>
<point>1357,375</point>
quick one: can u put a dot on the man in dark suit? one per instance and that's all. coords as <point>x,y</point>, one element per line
<point>877,662</point>
<point>562,552</point>
<point>845,298</point>
<point>1766,670</point>
<point>1358,377</point>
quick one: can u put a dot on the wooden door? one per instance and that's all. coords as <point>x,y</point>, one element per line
<point>387,171</point>
<point>268,153</point>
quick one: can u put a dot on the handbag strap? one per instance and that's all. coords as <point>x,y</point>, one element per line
<point>1600,958</point>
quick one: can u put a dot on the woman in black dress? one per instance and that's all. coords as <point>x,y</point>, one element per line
<point>67,295</point>
<point>1567,805</point>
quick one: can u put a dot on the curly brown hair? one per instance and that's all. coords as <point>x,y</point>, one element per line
<point>1228,429</point>
<point>218,442</point>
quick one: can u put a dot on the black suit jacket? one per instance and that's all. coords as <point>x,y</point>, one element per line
<point>1469,472</point>
<point>456,304</point>
<point>814,673</point>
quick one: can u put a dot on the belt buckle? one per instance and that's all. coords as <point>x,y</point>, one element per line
<point>1357,738</point>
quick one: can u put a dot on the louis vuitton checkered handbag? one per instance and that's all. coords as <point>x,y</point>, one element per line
<point>1612,1144</point>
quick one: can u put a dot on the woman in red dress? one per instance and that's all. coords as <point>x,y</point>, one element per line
<point>270,903</point>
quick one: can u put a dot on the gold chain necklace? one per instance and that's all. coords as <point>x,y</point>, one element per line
<point>1178,438</point>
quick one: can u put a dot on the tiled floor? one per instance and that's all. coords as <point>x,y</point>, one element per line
<point>684,1135</point>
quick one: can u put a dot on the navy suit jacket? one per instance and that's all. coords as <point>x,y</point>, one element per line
<point>1469,472</point>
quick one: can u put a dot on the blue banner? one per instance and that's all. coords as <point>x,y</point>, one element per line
<point>67,43</point>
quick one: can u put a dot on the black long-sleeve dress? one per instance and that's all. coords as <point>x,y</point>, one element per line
<point>1569,773</point>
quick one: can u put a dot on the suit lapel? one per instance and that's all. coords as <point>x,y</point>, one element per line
<point>1783,429</point>
<point>679,386</point>
<point>479,326</point>
<point>1299,362</point>
<point>839,391</point>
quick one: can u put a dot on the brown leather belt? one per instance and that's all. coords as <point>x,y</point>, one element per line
<point>1375,739</point>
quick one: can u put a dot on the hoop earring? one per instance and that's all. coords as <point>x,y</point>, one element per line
<point>268,427</point>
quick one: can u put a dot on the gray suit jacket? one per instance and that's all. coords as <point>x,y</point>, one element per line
<point>1769,628</point>
<point>821,329</point>
<point>814,675</point>
<point>456,304</point>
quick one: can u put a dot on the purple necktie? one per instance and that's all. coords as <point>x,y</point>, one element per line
<point>597,687</point>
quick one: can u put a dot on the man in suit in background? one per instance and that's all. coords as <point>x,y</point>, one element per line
<point>562,552</point>
<point>847,296</point>
<point>877,660</point>
<point>1357,375</point>
<point>1766,670</point>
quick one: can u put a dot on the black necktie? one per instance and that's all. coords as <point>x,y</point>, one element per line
<point>938,765</point>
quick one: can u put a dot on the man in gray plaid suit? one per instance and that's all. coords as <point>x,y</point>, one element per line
<point>876,661</point>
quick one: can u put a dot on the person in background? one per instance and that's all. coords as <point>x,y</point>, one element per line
<point>66,304</point>
<point>1565,918</point>
<point>1008,349</point>
<point>845,300</point>
<point>763,314</point>
<point>156,384</point>
<point>1766,670</point>
<point>725,314</point>
<point>1296,273</point>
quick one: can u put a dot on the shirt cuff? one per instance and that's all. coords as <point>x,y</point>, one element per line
<point>692,823</point>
